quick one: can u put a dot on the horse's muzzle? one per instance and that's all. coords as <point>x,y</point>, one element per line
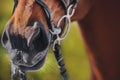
<point>29,50</point>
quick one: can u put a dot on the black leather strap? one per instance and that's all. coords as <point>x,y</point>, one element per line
<point>47,14</point>
<point>60,62</point>
<point>65,3</point>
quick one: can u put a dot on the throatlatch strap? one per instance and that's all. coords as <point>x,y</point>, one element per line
<point>60,61</point>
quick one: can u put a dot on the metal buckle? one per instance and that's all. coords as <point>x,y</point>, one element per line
<point>56,31</point>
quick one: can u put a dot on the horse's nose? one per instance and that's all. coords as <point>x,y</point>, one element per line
<point>24,35</point>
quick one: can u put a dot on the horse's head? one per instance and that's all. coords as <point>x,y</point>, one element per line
<point>26,35</point>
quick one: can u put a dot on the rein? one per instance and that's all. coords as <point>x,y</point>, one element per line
<point>57,33</point>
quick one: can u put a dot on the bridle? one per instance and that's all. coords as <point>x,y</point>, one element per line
<point>57,32</point>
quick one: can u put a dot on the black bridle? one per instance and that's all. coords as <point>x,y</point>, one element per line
<point>56,31</point>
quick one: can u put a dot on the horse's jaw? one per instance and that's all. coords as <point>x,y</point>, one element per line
<point>28,51</point>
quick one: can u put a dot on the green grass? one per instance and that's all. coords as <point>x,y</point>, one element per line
<point>5,12</point>
<point>73,51</point>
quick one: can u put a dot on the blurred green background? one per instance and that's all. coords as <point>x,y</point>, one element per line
<point>73,51</point>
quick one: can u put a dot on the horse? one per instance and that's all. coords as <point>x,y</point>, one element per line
<point>28,29</point>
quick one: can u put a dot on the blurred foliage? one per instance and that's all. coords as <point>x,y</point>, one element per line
<point>73,52</point>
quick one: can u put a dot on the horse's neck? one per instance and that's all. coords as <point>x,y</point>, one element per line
<point>83,8</point>
<point>101,30</point>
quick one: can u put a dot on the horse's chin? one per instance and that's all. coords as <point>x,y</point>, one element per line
<point>31,51</point>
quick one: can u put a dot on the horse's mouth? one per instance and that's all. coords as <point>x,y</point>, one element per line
<point>28,51</point>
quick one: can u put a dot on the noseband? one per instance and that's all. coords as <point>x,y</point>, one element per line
<point>57,32</point>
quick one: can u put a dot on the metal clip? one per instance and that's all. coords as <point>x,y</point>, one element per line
<point>57,31</point>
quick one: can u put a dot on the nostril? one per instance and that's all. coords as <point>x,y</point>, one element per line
<point>5,39</point>
<point>38,38</point>
<point>31,23</point>
<point>34,33</point>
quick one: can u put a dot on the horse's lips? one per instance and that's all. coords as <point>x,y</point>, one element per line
<point>30,62</point>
